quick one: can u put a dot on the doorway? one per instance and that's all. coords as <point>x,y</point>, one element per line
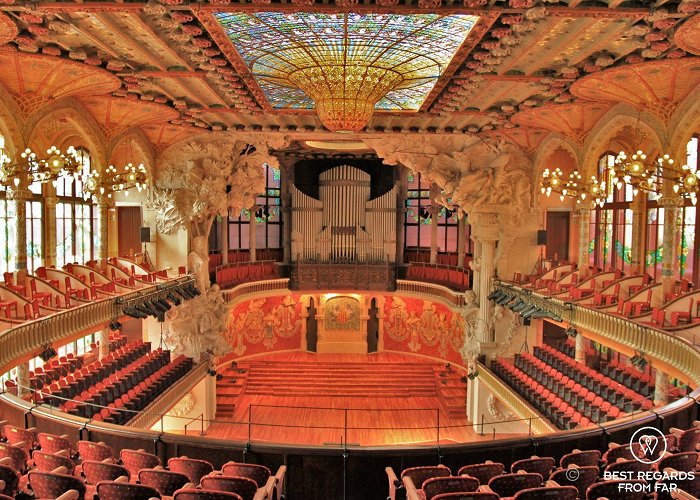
<point>311,327</point>
<point>558,235</point>
<point>373,327</point>
<point>128,224</point>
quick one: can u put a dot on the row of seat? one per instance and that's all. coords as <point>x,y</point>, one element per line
<point>609,390</point>
<point>95,469</point>
<point>579,475</point>
<point>583,400</point>
<point>545,401</point>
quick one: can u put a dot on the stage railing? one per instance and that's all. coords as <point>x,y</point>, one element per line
<point>256,287</point>
<point>432,289</point>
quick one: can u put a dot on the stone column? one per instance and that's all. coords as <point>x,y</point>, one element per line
<point>434,211</point>
<point>102,249</point>
<point>103,339</point>
<point>401,195</point>
<point>223,235</point>
<point>19,197</point>
<point>661,388</point>
<point>669,265</point>
<point>475,263</point>
<point>485,227</point>
<point>580,352</point>
<point>23,379</point>
<point>461,240</point>
<point>251,233</point>
<point>584,221</point>
<point>50,202</point>
<point>638,207</point>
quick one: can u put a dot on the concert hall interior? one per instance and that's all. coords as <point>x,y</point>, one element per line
<point>349,249</point>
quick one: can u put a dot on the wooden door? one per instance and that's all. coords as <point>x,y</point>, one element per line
<point>129,223</point>
<point>558,235</point>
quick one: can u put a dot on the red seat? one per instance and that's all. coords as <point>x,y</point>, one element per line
<point>258,473</point>
<point>191,494</point>
<point>113,490</point>
<point>48,485</point>
<point>194,469</point>
<point>246,488</point>
<point>165,481</point>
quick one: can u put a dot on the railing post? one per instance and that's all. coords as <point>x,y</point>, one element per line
<point>529,431</point>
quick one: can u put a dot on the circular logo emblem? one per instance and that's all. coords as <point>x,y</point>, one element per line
<point>648,445</point>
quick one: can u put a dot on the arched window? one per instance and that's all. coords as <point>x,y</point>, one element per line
<point>77,227</point>
<point>8,225</point>
<point>611,225</point>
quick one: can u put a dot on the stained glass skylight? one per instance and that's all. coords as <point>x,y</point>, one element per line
<point>396,58</point>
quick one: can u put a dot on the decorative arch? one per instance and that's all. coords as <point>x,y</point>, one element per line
<point>76,123</point>
<point>613,122</point>
<point>684,124</point>
<point>139,143</point>
<point>10,128</point>
<point>553,144</point>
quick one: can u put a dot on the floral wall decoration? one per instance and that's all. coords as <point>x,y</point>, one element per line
<point>423,327</point>
<point>265,324</point>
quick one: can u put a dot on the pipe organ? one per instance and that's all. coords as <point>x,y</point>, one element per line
<point>344,225</point>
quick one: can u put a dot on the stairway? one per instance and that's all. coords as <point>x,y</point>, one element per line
<point>452,392</point>
<point>340,379</point>
<point>228,389</point>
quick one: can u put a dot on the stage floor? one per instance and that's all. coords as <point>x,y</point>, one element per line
<point>329,399</point>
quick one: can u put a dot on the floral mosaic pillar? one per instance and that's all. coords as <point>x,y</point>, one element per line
<point>638,234</point>
<point>103,340</point>
<point>669,264</point>
<point>661,387</point>
<point>584,222</point>
<point>20,197</point>
<point>50,202</point>
<point>22,379</point>
<point>102,249</point>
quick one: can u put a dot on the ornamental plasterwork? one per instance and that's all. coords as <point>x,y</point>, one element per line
<point>256,324</point>
<point>195,328</point>
<point>492,404</point>
<point>427,327</point>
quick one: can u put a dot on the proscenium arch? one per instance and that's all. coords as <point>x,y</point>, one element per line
<point>142,148</point>
<point>611,123</point>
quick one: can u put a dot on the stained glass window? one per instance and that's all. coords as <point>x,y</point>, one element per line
<point>77,230</point>
<point>655,242</point>
<point>275,45</point>
<point>417,218</point>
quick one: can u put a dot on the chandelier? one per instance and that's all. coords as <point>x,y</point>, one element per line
<point>636,171</point>
<point>572,187</point>
<point>31,168</point>
<point>96,185</point>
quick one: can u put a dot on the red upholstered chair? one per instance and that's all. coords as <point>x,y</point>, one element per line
<point>94,451</point>
<point>582,458</point>
<point>50,461</point>
<point>419,474</point>
<point>51,486</point>
<point>43,297</point>
<point>507,485</point>
<point>26,438</point>
<point>449,484</point>
<point>581,479</point>
<point>628,466</point>
<point>559,492</point>
<point>113,490</point>
<point>191,494</point>
<point>165,481</point>
<point>135,460</point>
<point>18,455</point>
<point>475,495</point>
<point>103,471</point>
<point>617,451</point>
<point>194,469</point>
<point>682,316</point>
<point>539,465</point>
<point>665,488</point>
<point>616,489</point>
<point>258,473</point>
<point>51,443</point>
<point>246,488</point>
<point>685,461</point>
<point>483,472</point>
<point>10,478</point>
<point>687,440</point>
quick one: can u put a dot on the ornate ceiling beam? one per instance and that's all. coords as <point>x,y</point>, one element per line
<point>110,6</point>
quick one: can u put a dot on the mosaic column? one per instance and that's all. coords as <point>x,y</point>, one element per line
<point>461,240</point>
<point>50,202</point>
<point>434,210</point>
<point>638,207</point>
<point>103,340</point>
<point>19,197</point>
<point>669,263</point>
<point>584,221</point>
<point>661,387</point>
<point>23,379</point>
<point>103,229</point>
<point>485,227</point>
<point>580,352</point>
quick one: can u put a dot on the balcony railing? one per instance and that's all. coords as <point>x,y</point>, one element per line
<point>28,338</point>
<point>676,349</point>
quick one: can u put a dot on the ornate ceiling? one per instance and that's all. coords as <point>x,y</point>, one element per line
<point>513,69</point>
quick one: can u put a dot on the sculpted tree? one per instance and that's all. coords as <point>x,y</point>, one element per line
<point>202,180</point>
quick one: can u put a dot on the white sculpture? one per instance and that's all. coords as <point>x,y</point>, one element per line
<point>196,327</point>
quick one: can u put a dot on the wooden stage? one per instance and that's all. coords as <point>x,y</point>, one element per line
<point>328,399</point>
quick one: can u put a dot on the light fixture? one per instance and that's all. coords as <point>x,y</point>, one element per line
<point>30,167</point>
<point>112,180</point>
<point>575,187</point>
